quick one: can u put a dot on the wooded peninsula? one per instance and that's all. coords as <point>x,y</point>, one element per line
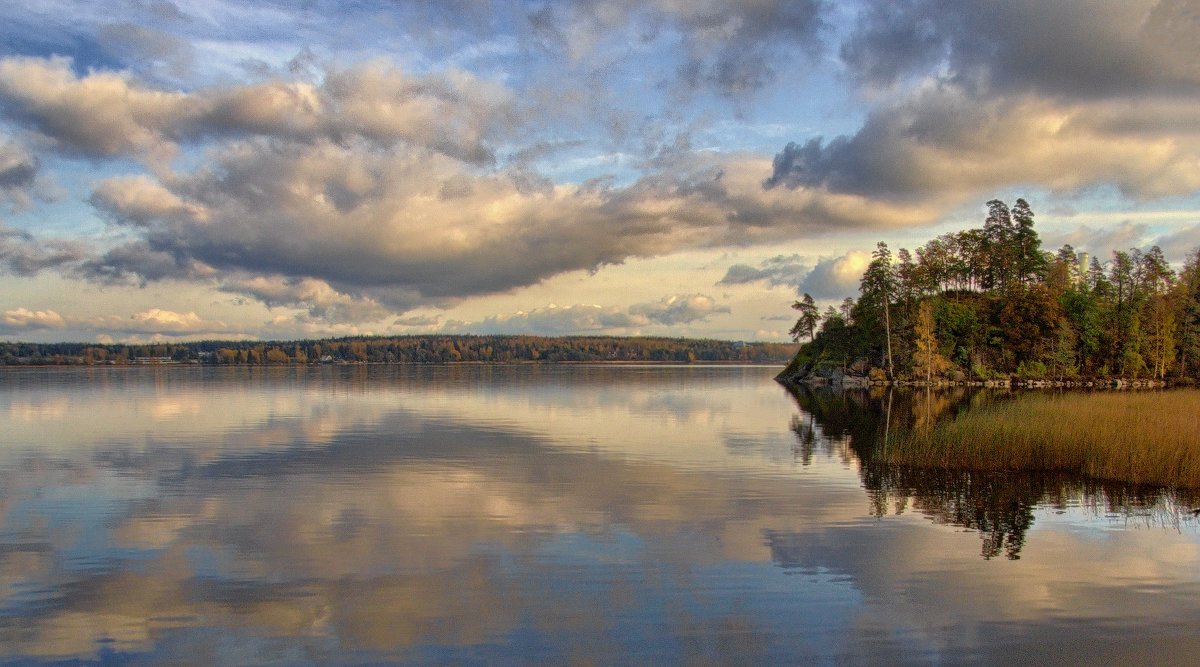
<point>989,304</point>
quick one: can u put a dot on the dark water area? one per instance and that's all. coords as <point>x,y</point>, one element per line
<point>551,514</point>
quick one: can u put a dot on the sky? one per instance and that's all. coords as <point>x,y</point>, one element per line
<point>283,170</point>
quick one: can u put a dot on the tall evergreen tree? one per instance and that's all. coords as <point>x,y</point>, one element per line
<point>878,288</point>
<point>809,316</point>
<point>1029,264</point>
<point>998,245</point>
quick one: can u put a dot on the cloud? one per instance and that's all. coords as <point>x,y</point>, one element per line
<point>22,178</point>
<point>781,270</point>
<point>679,309</point>
<point>320,300</point>
<point>18,170</point>
<point>101,115</point>
<point>377,224</point>
<point>418,321</point>
<point>836,277</point>
<point>153,322</point>
<point>1101,241</point>
<point>552,320</point>
<point>106,114</point>
<point>731,49</point>
<point>1064,49</point>
<point>829,278</point>
<point>362,196</point>
<point>23,255</point>
<point>591,318</point>
<point>981,97</point>
<point>23,319</point>
<point>945,143</point>
<point>149,47</point>
<point>1181,244</point>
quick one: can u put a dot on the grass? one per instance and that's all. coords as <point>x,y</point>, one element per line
<point>1141,438</point>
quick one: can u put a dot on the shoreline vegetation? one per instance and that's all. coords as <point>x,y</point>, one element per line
<point>427,349</point>
<point>989,307</point>
<point>1144,438</point>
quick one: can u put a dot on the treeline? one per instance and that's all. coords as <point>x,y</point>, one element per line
<point>989,302</point>
<point>401,349</point>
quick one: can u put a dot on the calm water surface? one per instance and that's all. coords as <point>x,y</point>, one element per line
<point>515,515</point>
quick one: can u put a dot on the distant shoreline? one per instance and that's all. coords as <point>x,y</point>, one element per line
<point>342,364</point>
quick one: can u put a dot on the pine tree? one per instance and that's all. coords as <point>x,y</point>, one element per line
<point>809,316</point>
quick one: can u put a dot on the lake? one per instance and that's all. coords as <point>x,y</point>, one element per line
<point>548,514</point>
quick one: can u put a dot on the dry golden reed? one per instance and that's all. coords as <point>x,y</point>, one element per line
<point>1136,437</point>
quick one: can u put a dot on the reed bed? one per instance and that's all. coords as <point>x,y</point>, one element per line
<point>1140,438</point>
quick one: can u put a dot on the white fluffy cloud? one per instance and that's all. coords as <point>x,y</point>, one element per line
<point>25,319</point>
<point>105,114</point>
<point>381,225</point>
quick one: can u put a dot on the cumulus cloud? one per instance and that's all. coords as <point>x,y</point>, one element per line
<point>153,322</point>
<point>945,142</point>
<point>836,277</point>
<point>105,114</point>
<point>23,319</point>
<point>23,179</point>
<point>102,114</point>
<point>18,171</point>
<point>377,224</point>
<point>23,255</point>
<point>316,297</point>
<point>1181,244</point>
<point>1101,241</point>
<point>982,96</point>
<point>361,194</point>
<point>679,309</point>
<point>1060,49</point>
<point>830,277</point>
<point>781,270</point>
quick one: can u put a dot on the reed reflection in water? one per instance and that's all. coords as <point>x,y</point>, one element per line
<point>530,515</point>
<point>1000,505</point>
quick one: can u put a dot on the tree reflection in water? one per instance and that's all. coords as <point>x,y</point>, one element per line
<point>861,424</point>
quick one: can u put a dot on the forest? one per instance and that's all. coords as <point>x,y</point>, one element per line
<point>402,349</point>
<point>990,303</point>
